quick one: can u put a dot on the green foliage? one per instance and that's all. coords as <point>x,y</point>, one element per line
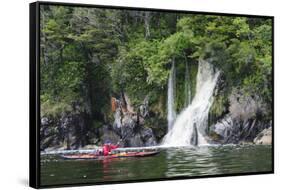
<point>76,51</point>
<point>240,47</point>
<point>219,106</point>
<point>89,55</point>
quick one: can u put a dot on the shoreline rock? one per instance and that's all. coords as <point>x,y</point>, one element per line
<point>264,137</point>
<point>243,121</point>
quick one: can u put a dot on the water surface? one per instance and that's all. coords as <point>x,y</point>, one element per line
<point>171,162</point>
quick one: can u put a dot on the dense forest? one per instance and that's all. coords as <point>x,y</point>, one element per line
<point>104,74</point>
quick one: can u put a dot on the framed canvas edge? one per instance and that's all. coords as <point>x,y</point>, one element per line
<point>34,104</point>
<point>34,93</point>
<point>150,9</point>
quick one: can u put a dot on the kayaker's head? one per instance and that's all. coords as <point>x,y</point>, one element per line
<point>107,142</point>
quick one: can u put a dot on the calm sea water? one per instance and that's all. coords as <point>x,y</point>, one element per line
<point>171,162</point>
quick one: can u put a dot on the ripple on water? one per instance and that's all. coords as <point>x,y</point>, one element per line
<point>171,162</point>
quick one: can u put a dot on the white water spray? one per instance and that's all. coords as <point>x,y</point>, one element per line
<point>187,86</point>
<point>196,114</point>
<point>171,96</point>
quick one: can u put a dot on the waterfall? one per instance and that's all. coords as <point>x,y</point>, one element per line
<point>117,115</point>
<point>187,86</point>
<point>117,119</point>
<point>171,96</point>
<point>193,120</point>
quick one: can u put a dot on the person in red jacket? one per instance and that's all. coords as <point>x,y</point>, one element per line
<point>107,147</point>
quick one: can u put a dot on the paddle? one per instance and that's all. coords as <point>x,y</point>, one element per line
<point>124,138</point>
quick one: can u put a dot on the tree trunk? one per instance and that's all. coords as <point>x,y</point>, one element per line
<point>146,24</point>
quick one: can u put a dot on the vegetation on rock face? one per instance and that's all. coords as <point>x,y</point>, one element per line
<point>89,55</point>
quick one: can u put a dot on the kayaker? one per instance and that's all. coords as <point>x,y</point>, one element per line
<point>107,147</point>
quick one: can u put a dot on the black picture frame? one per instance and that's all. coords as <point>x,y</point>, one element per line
<point>34,92</point>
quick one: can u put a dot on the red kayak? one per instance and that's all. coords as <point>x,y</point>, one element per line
<point>117,155</point>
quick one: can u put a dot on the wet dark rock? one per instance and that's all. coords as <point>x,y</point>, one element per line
<point>133,141</point>
<point>147,137</point>
<point>69,131</point>
<point>194,138</point>
<point>108,134</point>
<point>134,134</point>
<point>77,129</point>
<point>243,122</point>
<point>49,135</point>
<point>130,125</point>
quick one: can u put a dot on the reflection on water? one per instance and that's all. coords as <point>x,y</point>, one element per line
<point>171,162</point>
<point>190,162</point>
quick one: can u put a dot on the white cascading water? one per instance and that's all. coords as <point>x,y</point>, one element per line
<point>171,96</point>
<point>117,115</point>
<point>196,114</point>
<point>187,86</point>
